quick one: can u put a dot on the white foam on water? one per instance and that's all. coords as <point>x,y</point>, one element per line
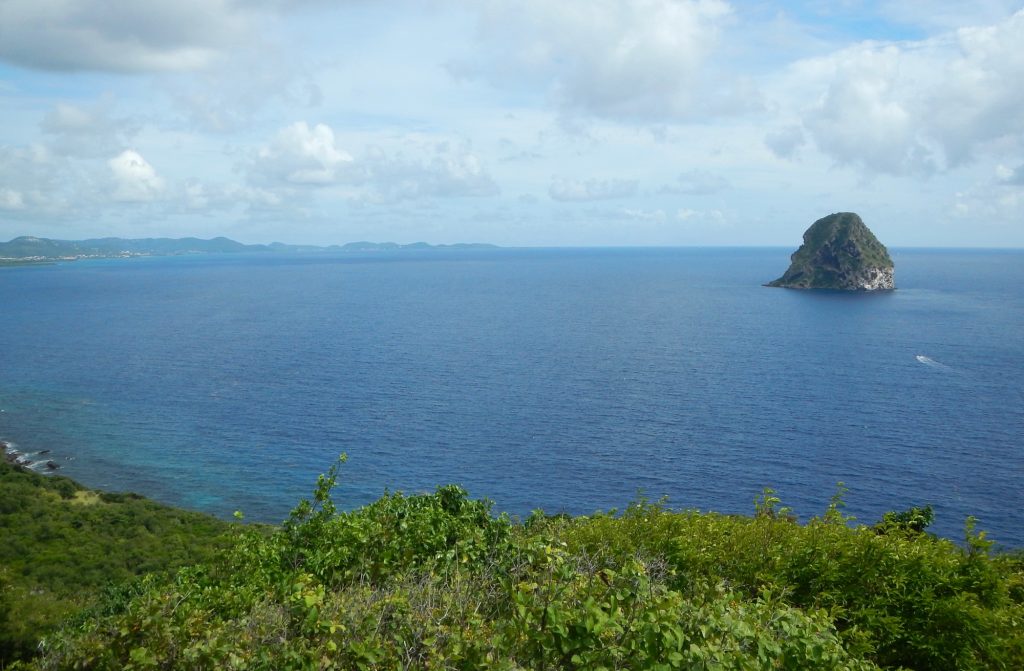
<point>928,361</point>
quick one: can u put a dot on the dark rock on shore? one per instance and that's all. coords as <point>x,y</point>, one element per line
<point>840,253</point>
<point>22,460</point>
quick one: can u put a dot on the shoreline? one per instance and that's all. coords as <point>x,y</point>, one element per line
<point>15,457</point>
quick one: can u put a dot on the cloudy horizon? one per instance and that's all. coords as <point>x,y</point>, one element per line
<point>530,123</point>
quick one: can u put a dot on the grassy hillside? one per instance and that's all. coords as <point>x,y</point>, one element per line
<point>63,545</point>
<point>438,582</point>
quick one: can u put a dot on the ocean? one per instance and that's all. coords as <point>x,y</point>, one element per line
<point>568,380</point>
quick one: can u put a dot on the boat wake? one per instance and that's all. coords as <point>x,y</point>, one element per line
<point>928,361</point>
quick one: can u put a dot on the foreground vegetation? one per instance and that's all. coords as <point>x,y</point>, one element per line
<point>61,546</point>
<point>437,582</point>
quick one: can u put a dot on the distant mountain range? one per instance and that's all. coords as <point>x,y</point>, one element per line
<point>45,249</point>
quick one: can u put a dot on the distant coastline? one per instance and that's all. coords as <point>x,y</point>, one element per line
<point>29,250</point>
<point>4,262</point>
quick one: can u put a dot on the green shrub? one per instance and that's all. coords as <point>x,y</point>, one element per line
<point>58,553</point>
<point>903,600</point>
<point>437,582</point>
<point>911,521</point>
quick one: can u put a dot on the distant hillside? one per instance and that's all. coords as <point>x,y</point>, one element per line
<point>45,249</point>
<point>27,247</point>
<point>170,245</point>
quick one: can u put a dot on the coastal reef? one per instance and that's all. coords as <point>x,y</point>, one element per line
<point>839,253</point>
<point>28,461</point>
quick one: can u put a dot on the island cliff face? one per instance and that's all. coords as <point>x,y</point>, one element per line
<point>839,252</point>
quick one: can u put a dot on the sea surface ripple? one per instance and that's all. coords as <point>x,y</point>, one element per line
<point>567,380</point>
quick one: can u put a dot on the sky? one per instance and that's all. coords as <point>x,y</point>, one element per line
<point>513,122</point>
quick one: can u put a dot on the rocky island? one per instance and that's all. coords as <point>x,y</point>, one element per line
<point>840,253</point>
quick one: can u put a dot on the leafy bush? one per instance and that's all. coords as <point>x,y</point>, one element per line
<point>437,582</point>
<point>901,600</point>
<point>62,546</point>
<point>911,521</point>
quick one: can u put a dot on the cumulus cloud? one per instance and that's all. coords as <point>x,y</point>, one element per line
<point>696,183</point>
<point>87,132</point>
<point>991,206</point>
<point>641,214</point>
<point>195,197</point>
<point>118,35</point>
<point>135,180</point>
<point>448,171</point>
<point>785,142</point>
<point>300,154</point>
<point>916,107</point>
<point>1010,176</point>
<point>711,217</point>
<point>867,115</point>
<point>11,200</point>
<point>37,182</point>
<point>222,61</point>
<point>591,189</point>
<point>944,15</point>
<point>621,59</point>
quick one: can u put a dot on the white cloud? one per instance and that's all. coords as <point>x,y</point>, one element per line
<point>696,183</point>
<point>944,15</point>
<point>254,78</point>
<point>194,196</point>
<point>645,215</point>
<point>1012,176</point>
<point>118,35</point>
<point>786,141</point>
<point>592,189</point>
<point>197,197</point>
<point>135,180</point>
<point>304,157</point>
<point>710,217</point>
<point>596,92</point>
<point>990,207</point>
<point>87,132</point>
<point>11,200</point>
<point>917,107</point>
<point>447,171</point>
<point>69,118</point>
<point>40,182</point>
<point>866,116</point>
<point>299,154</point>
<point>620,59</point>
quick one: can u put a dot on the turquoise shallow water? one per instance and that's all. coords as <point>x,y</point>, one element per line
<point>555,379</point>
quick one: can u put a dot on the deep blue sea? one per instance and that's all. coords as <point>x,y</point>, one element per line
<point>565,379</point>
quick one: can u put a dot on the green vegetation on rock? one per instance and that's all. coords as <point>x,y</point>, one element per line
<point>438,582</point>
<point>839,252</point>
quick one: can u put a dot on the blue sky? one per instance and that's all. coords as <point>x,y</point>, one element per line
<point>527,122</point>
